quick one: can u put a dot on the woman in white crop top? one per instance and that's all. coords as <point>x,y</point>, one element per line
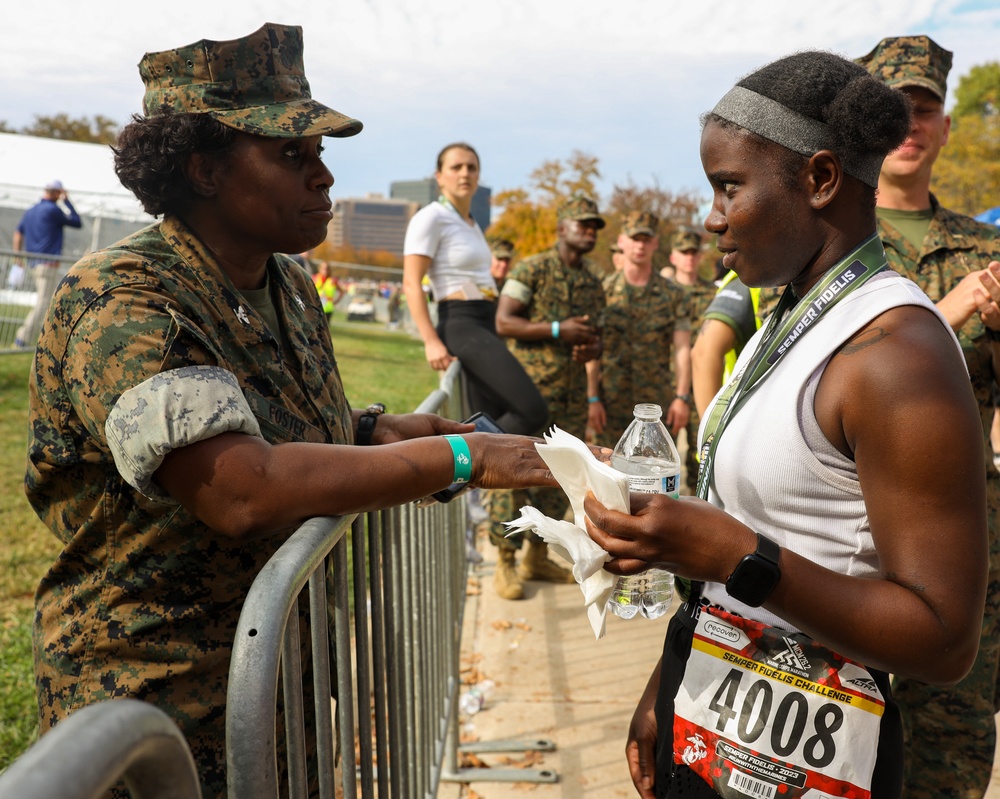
<point>844,533</point>
<point>444,243</point>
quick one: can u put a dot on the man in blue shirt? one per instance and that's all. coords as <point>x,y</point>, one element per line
<point>41,231</point>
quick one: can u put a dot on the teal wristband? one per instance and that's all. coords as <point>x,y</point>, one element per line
<point>555,330</point>
<point>592,400</point>
<point>463,458</point>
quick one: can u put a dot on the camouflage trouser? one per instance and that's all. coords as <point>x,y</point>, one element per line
<point>950,732</point>
<point>505,504</point>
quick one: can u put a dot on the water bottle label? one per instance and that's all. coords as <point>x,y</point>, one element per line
<point>654,485</point>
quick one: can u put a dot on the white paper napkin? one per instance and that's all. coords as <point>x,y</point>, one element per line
<point>578,471</point>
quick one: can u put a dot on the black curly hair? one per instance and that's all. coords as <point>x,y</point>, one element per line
<point>865,117</point>
<point>151,153</point>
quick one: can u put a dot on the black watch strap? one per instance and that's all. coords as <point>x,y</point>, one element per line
<point>757,574</point>
<point>366,424</point>
<point>767,549</point>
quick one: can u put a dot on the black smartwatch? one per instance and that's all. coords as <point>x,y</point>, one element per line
<point>366,423</point>
<point>756,575</point>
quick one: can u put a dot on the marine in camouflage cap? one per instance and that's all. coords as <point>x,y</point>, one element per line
<point>502,248</point>
<point>638,223</point>
<point>685,241</point>
<point>901,61</point>
<point>255,84</point>
<point>582,208</point>
<point>949,732</point>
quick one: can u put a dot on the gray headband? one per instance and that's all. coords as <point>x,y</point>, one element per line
<point>800,134</point>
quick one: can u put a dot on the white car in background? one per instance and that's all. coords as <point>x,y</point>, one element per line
<point>362,306</point>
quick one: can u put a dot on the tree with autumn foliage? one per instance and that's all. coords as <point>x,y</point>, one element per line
<point>528,219</point>
<point>346,254</point>
<point>99,130</point>
<point>529,215</point>
<point>967,174</point>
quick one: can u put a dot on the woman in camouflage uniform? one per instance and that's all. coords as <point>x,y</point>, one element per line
<point>186,408</point>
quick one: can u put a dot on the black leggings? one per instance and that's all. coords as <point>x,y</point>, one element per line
<point>497,382</point>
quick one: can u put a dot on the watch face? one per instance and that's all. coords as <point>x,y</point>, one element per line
<point>753,580</point>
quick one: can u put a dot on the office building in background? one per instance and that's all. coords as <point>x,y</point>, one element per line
<point>371,223</point>
<point>426,191</point>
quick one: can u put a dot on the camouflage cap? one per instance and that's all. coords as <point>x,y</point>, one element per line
<point>502,248</point>
<point>684,240</point>
<point>581,207</point>
<point>635,223</point>
<point>910,61</point>
<point>256,84</point>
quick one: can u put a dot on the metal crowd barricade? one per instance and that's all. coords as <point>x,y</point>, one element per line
<point>92,749</point>
<point>397,676</point>
<point>17,291</point>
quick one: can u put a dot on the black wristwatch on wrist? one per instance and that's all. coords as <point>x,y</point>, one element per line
<point>366,423</point>
<point>756,575</point>
<point>686,398</point>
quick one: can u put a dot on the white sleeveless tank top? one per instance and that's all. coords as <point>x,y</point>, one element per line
<point>775,470</point>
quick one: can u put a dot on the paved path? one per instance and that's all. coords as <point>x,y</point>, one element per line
<point>554,681</point>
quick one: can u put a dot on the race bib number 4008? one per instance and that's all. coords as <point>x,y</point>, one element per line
<point>764,713</point>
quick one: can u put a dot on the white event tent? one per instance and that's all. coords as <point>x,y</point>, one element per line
<point>109,211</point>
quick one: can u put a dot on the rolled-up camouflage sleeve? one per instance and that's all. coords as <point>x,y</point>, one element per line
<point>518,290</point>
<point>171,410</point>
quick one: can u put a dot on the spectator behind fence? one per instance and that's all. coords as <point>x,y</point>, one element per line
<point>328,289</point>
<point>41,231</point>
<point>729,322</point>
<point>186,411</point>
<point>950,731</point>
<point>444,243</point>
<point>501,254</point>
<point>845,533</point>
<point>646,339</point>
<point>685,255</point>
<point>551,309</point>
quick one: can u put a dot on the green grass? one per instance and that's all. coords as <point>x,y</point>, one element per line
<point>382,366</point>
<point>376,366</point>
<point>26,550</point>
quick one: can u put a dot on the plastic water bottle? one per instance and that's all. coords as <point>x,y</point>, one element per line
<point>472,701</point>
<point>646,453</point>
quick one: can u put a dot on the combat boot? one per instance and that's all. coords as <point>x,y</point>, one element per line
<point>536,565</point>
<point>505,580</point>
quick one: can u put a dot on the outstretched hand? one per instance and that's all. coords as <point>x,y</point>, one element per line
<point>507,461</point>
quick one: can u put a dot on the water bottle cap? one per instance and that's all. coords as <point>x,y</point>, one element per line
<point>647,410</point>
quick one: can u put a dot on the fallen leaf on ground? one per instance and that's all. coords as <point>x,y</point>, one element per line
<point>471,760</point>
<point>528,760</point>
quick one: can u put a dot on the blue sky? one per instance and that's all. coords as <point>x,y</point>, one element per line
<point>522,80</point>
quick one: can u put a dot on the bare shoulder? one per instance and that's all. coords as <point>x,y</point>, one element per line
<point>902,369</point>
